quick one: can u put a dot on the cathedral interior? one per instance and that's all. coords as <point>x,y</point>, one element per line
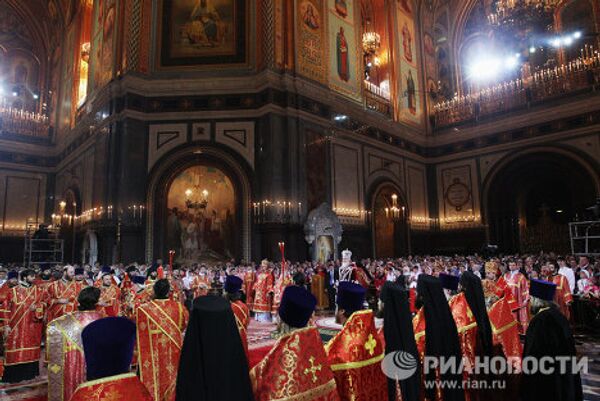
<point>218,128</point>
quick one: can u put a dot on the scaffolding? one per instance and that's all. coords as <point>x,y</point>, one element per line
<point>585,237</point>
<point>42,251</point>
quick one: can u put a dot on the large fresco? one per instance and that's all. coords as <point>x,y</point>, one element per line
<point>102,57</point>
<point>310,39</point>
<point>65,108</point>
<point>203,32</point>
<point>410,108</point>
<point>201,216</point>
<point>344,63</point>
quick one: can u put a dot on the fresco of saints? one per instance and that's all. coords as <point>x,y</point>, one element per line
<point>411,94</point>
<point>310,18</point>
<point>343,61</point>
<point>341,8</point>
<point>407,43</point>
<point>404,4</point>
<point>207,28</point>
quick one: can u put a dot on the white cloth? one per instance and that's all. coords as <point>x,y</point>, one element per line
<point>570,275</point>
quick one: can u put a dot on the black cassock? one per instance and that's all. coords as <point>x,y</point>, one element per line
<point>549,335</point>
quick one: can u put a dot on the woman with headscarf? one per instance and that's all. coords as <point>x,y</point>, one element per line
<point>213,364</point>
<point>436,336</point>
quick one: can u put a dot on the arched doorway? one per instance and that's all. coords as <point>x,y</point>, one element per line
<point>198,206</point>
<point>89,250</point>
<point>530,198</point>
<point>390,222</point>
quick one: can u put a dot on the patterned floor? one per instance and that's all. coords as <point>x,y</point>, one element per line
<point>260,340</point>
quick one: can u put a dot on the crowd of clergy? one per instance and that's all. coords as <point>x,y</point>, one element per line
<point>168,332</point>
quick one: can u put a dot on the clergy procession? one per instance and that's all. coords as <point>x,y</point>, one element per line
<point>410,329</point>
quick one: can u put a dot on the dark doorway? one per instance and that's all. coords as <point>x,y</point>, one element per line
<point>390,228</point>
<point>531,200</point>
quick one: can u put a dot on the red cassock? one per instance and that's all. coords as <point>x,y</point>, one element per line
<point>200,286</point>
<point>562,296</point>
<point>242,319</point>
<point>25,319</point>
<point>466,325</point>
<point>249,278</point>
<point>62,289</point>
<point>66,362</point>
<point>519,287</point>
<point>262,288</point>
<point>110,295</point>
<point>160,326</point>
<point>280,284</point>
<point>505,330</point>
<point>296,368</point>
<point>354,355</point>
<point>125,387</point>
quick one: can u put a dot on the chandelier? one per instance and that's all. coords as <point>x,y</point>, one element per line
<point>196,199</point>
<point>394,212</point>
<point>522,17</point>
<point>371,42</point>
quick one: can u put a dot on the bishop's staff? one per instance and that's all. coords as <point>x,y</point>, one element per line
<point>282,250</point>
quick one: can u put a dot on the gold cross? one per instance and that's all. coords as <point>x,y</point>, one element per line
<point>371,344</point>
<point>313,369</point>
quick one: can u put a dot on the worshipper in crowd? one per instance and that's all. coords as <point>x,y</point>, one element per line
<point>213,365</point>
<point>66,362</point>
<point>305,374</point>
<point>263,292</point>
<point>355,353</point>
<point>23,329</point>
<point>108,348</point>
<point>62,294</point>
<point>160,327</point>
<point>549,336</point>
<point>437,336</point>
<point>233,293</point>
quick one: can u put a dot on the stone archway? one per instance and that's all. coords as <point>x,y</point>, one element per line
<point>531,196</point>
<point>391,236</point>
<point>160,208</point>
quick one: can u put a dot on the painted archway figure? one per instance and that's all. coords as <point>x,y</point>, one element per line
<point>530,198</point>
<point>218,231</point>
<point>389,226</point>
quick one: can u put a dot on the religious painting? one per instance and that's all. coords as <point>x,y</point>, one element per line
<point>344,62</point>
<point>316,169</point>
<point>325,249</point>
<point>66,87</point>
<point>310,37</point>
<point>201,216</point>
<point>203,32</point>
<point>102,58</point>
<point>410,108</point>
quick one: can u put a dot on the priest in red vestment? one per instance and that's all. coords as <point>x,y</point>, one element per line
<point>296,368</point>
<point>233,287</point>
<point>66,363</point>
<point>249,277</point>
<point>12,280</point>
<point>110,298</point>
<point>160,327</point>
<point>355,353</point>
<point>62,294</point>
<point>279,287</point>
<point>562,296</point>
<point>263,292</point>
<point>23,330</point>
<point>519,287</point>
<point>505,331</point>
<point>108,348</point>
